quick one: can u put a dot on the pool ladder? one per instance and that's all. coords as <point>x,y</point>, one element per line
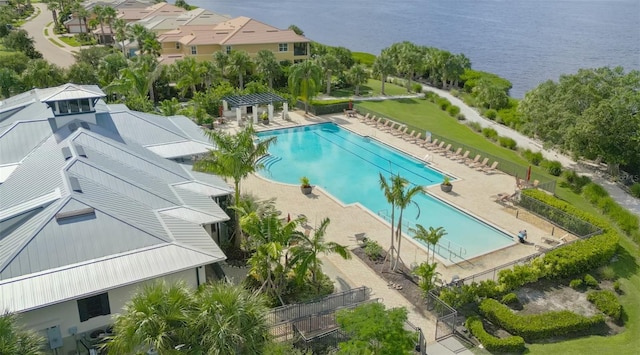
<point>267,161</point>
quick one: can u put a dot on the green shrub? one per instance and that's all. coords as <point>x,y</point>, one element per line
<point>443,103</point>
<point>574,181</point>
<point>553,167</point>
<point>507,143</point>
<point>512,344</point>
<point>607,273</point>
<point>454,93</point>
<point>417,88</point>
<point>607,302</point>
<point>490,133</point>
<point>635,190</point>
<point>510,298</point>
<point>475,126</point>
<point>590,281</point>
<point>431,96</point>
<point>363,58</point>
<point>461,117</point>
<point>491,114</point>
<point>519,275</point>
<point>453,110</point>
<point>372,249</point>
<point>617,287</point>
<point>533,158</point>
<point>538,326</point>
<point>576,284</point>
<point>594,192</point>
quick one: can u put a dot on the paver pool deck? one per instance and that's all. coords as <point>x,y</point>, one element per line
<point>473,192</point>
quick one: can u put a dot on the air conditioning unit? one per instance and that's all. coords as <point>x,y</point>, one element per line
<point>55,337</point>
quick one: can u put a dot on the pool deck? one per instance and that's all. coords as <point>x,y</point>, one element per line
<point>473,192</point>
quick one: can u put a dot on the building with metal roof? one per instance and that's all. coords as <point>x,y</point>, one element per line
<point>92,207</point>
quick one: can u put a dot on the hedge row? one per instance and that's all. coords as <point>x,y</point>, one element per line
<point>538,326</point>
<point>607,302</point>
<point>512,344</point>
<point>627,221</point>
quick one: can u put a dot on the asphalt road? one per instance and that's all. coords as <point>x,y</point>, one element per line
<point>54,54</point>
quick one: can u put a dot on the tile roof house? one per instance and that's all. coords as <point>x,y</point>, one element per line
<point>240,34</point>
<point>95,201</point>
<point>77,25</point>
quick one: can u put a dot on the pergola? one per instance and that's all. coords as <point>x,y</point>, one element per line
<point>239,102</point>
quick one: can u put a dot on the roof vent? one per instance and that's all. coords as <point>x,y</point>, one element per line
<point>273,30</point>
<point>85,125</point>
<point>80,150</point>
<point>75,184</point>
<point>76,213</point>
<point>66,152</point>
<point>73,127</point>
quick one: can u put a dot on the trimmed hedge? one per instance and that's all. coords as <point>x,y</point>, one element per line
<point>512,344</point>
<point>607,302</point>
<point>507,142</point>
<point>590,281</point>
<point>538,326</point>
<point>510,298</point>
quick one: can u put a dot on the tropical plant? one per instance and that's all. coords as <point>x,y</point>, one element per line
<point>390,193</point>
<point>221,62</point>
<point>431,236</point>
<point>329,64</point>
<point>305,182</point>
<point>137,79</point>
<point>296,30</point>
<point>98,12</point>
<point>109,14</point>
<point>358,75</point>
<point>169,107</point>
<point>187,74</point>
<point>383,67</point>
<point>14,340</point>
<point>306,252</point>
<point>267,66</point>
<point>239,64</point>
<point>304,79</point>
<point>404,197</point>
<point>9,82</point>
<point>236,156</point>
<point>121,33</point>
<point>109,68</point>
<point>427,274</point>
<point>82,73</point>
<point>42,74</point>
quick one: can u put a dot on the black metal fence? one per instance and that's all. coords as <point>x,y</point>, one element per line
<point>295,311</point>
<point>568,222</point>
<point>447,316</point>
<point>504,165</point>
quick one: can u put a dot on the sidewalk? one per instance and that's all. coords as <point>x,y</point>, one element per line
<point>625,200</point>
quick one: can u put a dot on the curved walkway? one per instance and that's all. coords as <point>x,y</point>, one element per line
<point>61,56</point>
<point>623,198</point>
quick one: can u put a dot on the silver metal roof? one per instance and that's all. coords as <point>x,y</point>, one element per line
<point>179,149</point>
<point>21,138</point>
<point>69,92</point>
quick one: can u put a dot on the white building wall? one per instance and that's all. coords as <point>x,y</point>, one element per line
<point>66,315</point>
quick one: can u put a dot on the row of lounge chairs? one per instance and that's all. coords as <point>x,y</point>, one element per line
<point>439,147</point>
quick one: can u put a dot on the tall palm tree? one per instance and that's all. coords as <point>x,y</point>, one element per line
<point>329,64</point>
<point>383,67</point>
<point>14,340</point>
<point>138,33</point>
<point>267,65</point>
<point>110,15</point>
<point>236,156</point>
<point>109,68</point>
<point>54,6</point>
<point>209,73</point>
<point>187,74</point>
<point>431,237</point>
<point>221,62</point>
<point>307,250</point>
<point>137,79</point>
<point>358,75</point>
<point>390,193</point>
<point>408,59</point>
<point>122,33</point>
<point>239,64</point>
<point>304,79</point>
<point>404,198</point>
<point>98,11</point>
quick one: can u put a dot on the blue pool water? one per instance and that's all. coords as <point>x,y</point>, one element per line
<point>348,165</point>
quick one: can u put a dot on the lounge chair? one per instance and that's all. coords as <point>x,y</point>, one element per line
<point>373,121</point>
<point>410,136</point>
<point>506,197</point>
<point>428,144</point>
<point>491,169</point>
<point>443,151</point>
<point>455,154</point>
<point>471,162</point>
<point>417,140</point>
<point>364,118</point>
<point>461,158</point>
<point>554,240</point>
<point>480,166</point>
<point>399,131</point>
<point>388,124</point>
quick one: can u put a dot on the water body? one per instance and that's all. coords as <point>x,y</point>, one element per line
<point>525,41</point>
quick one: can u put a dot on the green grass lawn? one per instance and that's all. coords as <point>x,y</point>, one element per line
<point>56,42</point>
<point>373,87</point>
<point>70,41</point>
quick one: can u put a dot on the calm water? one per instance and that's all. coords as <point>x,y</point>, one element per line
<point>526,41</point>
<point>348,166</point>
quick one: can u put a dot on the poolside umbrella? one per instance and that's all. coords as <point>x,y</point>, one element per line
<point>529,173</point>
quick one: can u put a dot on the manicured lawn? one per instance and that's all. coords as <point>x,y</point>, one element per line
<point>70,41</point>
<point>371,88</point>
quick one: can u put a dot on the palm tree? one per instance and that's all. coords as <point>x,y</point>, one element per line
<point>187,74</point>
<point>357,75</point>
<point>98,11</point>
<point>169,107</point>
<point>408,58</point>
<point>427,273</point>
<point>404,198</point>
<point>431,237</point>
<point>137,79</point>
<point>221,62</point>
<point>329,63</point>
<point>383,67</point>
<point>306,252</point>
<point>109,68</point>
<point>209,73</point>
<point>138,33</point>
<point>110,15</point>
<point>54,7</point>
<point>122,34</point>
<point>150,45</point>
<point>236,156</point>
<point>304,79</point>
<point>239,64</point>
<point>267,66</point>
<point>14,340</point>
<point>390,193</point>
<point>230,320</point>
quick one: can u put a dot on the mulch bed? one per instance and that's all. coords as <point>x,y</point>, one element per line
<point>402,277</point>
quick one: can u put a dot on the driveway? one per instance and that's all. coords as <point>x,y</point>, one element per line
<point>625,200</point>
<point>54,54</point>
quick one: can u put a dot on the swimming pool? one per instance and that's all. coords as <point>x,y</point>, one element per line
<point>347,166</point>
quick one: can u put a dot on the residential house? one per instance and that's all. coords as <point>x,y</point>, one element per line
<point>77,25</point>
<point>239,34</point>
<point>96,201</point>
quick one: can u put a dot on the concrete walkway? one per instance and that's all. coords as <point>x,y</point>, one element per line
<point>59,55</point>
<point>623,198</point>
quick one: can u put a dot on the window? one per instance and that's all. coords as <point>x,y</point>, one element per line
<point>194,50</point>
<point>63,107</point>
<point>94,307</point>
<point>283,47</point>
<point>228,49</point>
<point>73,106</point>
<point>300,48</point>
<point>177,45</point>
<point>84,105</point>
